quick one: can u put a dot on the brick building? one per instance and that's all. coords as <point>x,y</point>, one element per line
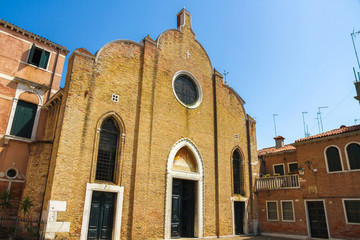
<point>310,188</point>
<point>149,143</point>
<point>30,72</point>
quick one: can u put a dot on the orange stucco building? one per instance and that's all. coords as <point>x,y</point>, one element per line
<point>30,73</point>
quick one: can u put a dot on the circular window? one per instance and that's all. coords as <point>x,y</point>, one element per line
<point>187,89</point>
<point>11,173</point>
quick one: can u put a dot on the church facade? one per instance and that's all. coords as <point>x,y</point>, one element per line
<point>145,141</point>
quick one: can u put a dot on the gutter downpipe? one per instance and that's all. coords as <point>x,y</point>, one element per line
<point>53,73</point>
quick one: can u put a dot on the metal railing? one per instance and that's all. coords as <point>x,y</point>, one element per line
<point>277,182</point>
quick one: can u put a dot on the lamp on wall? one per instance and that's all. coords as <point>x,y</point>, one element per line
<point>309,164</point>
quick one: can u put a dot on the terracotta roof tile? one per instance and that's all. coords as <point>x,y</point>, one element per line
<point>341,130</point>
<point>286,148</point>
<point>30,34</point>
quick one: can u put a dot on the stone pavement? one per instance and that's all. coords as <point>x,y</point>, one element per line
<point>246,238</point>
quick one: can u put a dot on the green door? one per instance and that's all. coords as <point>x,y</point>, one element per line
<point>101,215</point>
<point>23,119</point>
<point>317,219</point>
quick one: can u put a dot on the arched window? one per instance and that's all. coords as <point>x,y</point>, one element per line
<point>353,154</point>
<point>238,178</point>
<point>108,144</point>
<point>333,159</point>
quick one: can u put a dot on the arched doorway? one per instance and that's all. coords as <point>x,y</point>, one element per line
<point>184,192</point>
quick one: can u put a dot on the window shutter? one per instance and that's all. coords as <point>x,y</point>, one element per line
<point>272,211</point>
<point>23,119</point>
<point>44,59</point>
<point>31,55</point>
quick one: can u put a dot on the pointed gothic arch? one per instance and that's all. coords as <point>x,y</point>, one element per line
<point>196,176</point>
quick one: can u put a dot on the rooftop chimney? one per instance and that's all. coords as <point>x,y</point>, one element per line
<point>183,18</point>
<point>279,141</point>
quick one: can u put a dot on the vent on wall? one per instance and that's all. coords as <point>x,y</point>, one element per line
<point>115,98</point>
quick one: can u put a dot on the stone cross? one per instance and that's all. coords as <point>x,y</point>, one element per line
<point>187,54</point>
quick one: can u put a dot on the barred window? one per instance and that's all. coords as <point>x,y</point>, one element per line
<point>238,173</point>
<point>333,159</point>
<point>287,211</point>
<point>272,212</point>
<point>107,151</point>
<point>353,153</point>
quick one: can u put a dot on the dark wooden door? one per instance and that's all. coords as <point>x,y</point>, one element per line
<point>183,208</point>
<point>239,209</point>
<point>101,215</point>
<point>317,219</point>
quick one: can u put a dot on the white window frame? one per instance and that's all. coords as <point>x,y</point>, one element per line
<point>197,84</point>
<point>288,165</point>
<point>282,211</point>
<point>326,161</point>
<point>307,215</point>
<point>277,211</point>
<point>21,88</point>
<point>347,157</point>
<point>283,165</point>
<point>37,46</point>
<point>345,214</point>
<point>90,187</point>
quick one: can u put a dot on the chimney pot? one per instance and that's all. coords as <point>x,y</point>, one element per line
<point>279,141</point>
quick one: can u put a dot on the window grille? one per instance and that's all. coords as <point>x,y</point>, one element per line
<point>272,214</point>
<point>109,135</point>
<point>333,159</point>
<point>287,211</point>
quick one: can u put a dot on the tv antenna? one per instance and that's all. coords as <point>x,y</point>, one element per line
<point>305,129</point>
<point>322,129</point>
<point>225,75</point>
<point>275,115</point>
<point>357,76</point>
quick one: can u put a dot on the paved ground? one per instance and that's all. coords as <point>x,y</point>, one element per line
<point>251,238</point>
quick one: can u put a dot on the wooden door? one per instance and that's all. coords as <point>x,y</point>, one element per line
<point>101,215</point>
<point>239,210</point>
<point>183,208</point>
<point>317,219</point>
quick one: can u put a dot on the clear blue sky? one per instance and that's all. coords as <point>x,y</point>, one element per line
<point>283,56</point>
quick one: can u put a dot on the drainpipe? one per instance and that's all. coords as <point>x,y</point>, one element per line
<point>53,74</point>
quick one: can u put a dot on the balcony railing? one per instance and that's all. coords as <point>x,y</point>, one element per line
<point>278,182</point>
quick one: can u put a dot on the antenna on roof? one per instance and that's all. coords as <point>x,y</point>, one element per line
<point>274,115</point>
<point>305,133</point>
<point>357,76</point>
<point>322,129</point>
<point>225,75</point>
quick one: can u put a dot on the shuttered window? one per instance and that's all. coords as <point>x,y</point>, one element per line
<point>352,208</point>
<point>238,173</point>
<point>38,57</point>
<point>24,118</point>
<point>353,153</point>
<point>287,211</point>
<point>272,213</point>
<point>107,151</point>
<point>333,159</point>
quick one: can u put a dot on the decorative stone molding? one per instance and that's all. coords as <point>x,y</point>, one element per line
<point>50,215</point>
